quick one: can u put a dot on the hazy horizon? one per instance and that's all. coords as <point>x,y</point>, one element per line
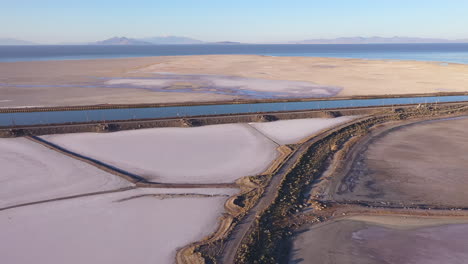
<point>54,21</point>
<point>344,39</point>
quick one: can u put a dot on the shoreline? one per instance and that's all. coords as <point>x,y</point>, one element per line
<point>220,54</point>
<point>312,53</point>
<point>441,62</point>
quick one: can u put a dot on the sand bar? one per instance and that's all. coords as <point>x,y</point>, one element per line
<point>217,78</point>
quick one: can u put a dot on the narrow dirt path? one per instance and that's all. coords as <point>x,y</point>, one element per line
<point>66,198</point>
<point>242,228</point>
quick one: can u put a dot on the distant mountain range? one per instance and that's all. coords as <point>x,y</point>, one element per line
<point>10,41</point>
<point>163,40</point>
<point>169,40</point>
<point>178,40</point>
<point>148,41</point>
<point>377,40</point>
<point>346,40</point>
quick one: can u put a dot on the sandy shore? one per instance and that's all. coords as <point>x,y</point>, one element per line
<point>217,78</point>
<point>383,239</point>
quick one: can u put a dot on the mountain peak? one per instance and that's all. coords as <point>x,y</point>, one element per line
<point>121,41</point>
<point>11,41</point>
<point>167,40</point>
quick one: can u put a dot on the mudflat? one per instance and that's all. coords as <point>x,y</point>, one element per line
<point>383,239</point>
<point>422,164</point>
<point>217,78</point>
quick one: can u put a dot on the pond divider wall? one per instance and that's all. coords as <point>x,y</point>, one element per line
<point>112,126</point>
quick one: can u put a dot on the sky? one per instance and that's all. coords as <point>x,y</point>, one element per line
<point>253,21</point>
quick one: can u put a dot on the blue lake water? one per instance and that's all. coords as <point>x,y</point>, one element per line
<point>453,53</point>
<point>105,115</point>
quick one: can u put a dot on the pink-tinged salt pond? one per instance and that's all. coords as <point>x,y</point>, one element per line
<point>30,172</point>
<point>110,228</point>
<point>208,154</point>
<point>292,131</point>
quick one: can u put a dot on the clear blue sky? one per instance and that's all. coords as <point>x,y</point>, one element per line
<point>49,21</point>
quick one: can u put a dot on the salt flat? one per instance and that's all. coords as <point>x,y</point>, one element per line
<point>31,172</point>
<point>292,131</point>
<point>124,227</point>
<point>383,239</point>
<point>422,163</point>
<point>208,154</point>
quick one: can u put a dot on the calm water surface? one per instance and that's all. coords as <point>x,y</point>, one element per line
<point>57,117</point>
<point>454,53</point>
